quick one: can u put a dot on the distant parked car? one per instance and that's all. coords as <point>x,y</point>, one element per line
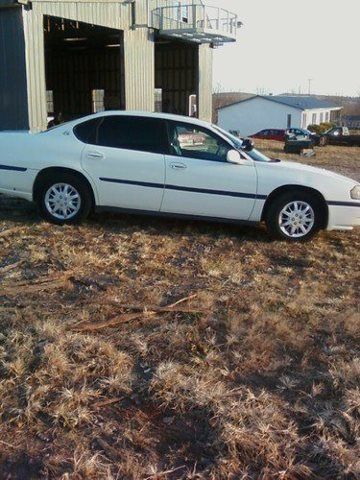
<point>340,136</point>
<point>271,134</point>
<point>304,132</point>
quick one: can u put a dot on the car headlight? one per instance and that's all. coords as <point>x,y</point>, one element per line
<point>355,193</point>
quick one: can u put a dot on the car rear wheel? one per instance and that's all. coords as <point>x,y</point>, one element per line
<point>64,200</point>
<point>294,216</point>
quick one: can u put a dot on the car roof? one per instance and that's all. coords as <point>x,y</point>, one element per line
<point>272,130</point>
<point>135,113</point>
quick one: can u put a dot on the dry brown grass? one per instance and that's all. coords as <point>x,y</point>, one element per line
<point>256,377</point>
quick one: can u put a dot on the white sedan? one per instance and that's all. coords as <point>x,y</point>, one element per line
<point>169,165</point>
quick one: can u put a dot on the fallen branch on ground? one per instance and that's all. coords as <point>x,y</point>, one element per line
<point>167,472</point>
<point>113,322</point>
<point>105,403</point>
<point>141,308</point>
<point>111,452</point>
<point>140,311</point>
<point>49,283</point>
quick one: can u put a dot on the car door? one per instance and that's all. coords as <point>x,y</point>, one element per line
<point>124,155</point>
<point>199,180</point>
<point>274,135</point>
<point>279,135</point>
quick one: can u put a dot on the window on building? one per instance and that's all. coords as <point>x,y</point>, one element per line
<point>327,117</point>
<point>321,117</point>
<point>50,101</point>
<point>98,100</point>
<point>158,99</point>
<point>304,120</point>
<point>193,105</point>
<point>183,12</point>
<point>314,118</point>
<point>289,120</point>
<point>133,133</point>
<point>199,143</point>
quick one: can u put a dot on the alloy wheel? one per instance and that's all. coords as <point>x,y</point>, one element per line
<point>62,201</point>
<point>297,219</point>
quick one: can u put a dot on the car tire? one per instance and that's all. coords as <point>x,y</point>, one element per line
<point>64,199</point>
<point>294,216</point>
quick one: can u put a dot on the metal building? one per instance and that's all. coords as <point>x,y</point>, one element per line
<point>71,58</point>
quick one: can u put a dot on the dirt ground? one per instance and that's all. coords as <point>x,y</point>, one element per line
<point>134,348</point>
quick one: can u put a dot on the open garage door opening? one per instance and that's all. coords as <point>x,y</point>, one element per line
<point>176,77</point>
<point>84,69</point>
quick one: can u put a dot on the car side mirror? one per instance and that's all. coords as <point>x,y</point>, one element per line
<point>233,156</point>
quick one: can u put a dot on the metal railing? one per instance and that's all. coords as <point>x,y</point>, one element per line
<point>210,20</point>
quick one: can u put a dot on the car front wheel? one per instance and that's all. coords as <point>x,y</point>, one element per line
<point>294,216</point>
<point>65,200</point>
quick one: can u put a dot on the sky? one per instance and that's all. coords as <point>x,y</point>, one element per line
<point>284,43</point>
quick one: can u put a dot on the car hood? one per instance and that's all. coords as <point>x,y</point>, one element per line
<point>308,169</point>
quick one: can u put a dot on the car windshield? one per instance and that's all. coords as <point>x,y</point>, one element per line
<point>237,143</point>
<point>329,131</point>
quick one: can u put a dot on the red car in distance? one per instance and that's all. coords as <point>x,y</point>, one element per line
<point>271,134</point>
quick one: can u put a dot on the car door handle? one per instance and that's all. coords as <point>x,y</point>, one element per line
<point>95,155</point>
<point>178,166</point>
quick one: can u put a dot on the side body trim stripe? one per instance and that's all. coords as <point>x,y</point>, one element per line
<point>15,169</point>
<point>344,204</point>
<point>132,182</point>
<point>187,189</point>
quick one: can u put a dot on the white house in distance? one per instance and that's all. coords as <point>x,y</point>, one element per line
<point>257,113</point>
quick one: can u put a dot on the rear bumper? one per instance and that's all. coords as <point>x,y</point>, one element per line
<point>344,217</point>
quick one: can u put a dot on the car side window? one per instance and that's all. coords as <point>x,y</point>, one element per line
<point>126,132</point>
<point>143,134</point>
<point>86,132</point>
<point>191,141</point>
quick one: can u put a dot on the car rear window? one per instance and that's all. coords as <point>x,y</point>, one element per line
<point>86,132</point>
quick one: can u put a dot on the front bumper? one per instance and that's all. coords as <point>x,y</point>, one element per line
<point>344,217</point>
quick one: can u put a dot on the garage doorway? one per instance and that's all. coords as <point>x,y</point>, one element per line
<point>176,76</point>
<point>84,68</point>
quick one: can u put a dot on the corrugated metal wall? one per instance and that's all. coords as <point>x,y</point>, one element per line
<point>205,82</point>
<point>35,67</point>
<point>107,14</point>
<point>13,92</point>
<point>139,56</point>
